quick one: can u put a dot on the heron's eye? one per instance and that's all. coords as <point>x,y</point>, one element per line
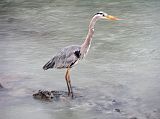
<point>100,14</point>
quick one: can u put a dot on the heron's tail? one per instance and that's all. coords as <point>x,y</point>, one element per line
<point>49,64</point>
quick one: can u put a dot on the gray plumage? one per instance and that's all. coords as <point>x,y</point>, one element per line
<point>67,57</point>
<point>70,55</point>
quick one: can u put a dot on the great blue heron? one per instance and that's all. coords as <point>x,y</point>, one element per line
<point>70,55</point>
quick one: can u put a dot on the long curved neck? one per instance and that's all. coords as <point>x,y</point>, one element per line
<point>86,44</point>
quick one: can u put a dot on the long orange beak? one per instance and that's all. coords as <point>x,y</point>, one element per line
<point>110,17</point>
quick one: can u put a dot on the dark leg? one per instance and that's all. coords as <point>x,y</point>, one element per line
<point>66,77</point>
<point>69,81</point>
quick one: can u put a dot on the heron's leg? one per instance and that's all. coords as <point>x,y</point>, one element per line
<point>69,81</point>
<point>66,77</point>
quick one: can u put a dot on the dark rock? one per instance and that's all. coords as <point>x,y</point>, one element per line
<point>117,110</point>
<point>50,95</point>
<point>114,101</point>
<point>1,85</point>
<point>44,95</point>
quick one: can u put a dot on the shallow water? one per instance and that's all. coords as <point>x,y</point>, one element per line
<point>121,71</point>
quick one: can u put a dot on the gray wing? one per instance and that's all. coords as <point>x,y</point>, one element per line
<point>68,56</point>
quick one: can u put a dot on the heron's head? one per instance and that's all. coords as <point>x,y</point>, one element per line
<point>103,15</point>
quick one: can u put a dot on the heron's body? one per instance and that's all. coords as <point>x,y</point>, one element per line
<point>70,55</point>
<point>67,57</point>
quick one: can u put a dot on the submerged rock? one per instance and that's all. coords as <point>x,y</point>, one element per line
<point>117,110</point>
<point>50,95</point>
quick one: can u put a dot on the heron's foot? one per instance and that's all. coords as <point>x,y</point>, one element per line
<point>70,94</point>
